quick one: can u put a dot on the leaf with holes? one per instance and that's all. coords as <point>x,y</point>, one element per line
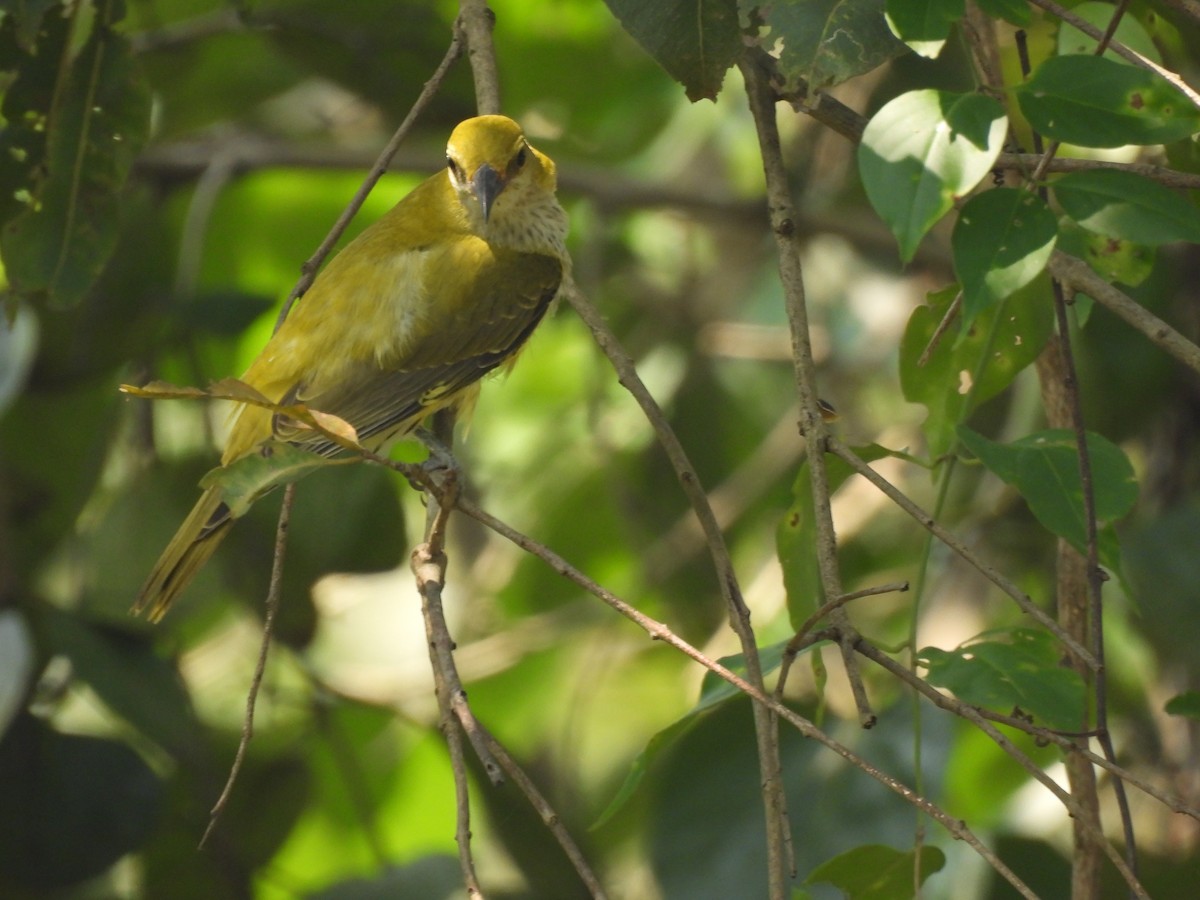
<point>1024,671</point>
<point>824,42</point>
<point>960,372</point>
<point>1001,242</point>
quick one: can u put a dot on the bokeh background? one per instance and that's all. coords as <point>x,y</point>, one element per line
<point>264,118</point>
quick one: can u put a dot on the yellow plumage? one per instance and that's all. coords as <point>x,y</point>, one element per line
<point>405,320</point>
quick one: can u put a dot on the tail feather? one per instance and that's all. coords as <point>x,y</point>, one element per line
<point>188,551</point>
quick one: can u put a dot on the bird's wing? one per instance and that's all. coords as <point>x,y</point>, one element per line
<point>470,326</point>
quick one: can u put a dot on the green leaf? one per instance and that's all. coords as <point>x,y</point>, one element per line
<point>129,677</point>
<point>1014,11</point>
<point>245,480</point>
<point>1129,32</point>
<point>1114,259</point>
<point>97,124</point>
<point>921,151</point>
<point>877,872</point>
<point>796,536</point>
<point>72,806</point>
<point>1001,242</point>
<point>1185,704</point>
<point>961,374</point>
<point>1127,206</point>
<point>924,24</point>
<point>825,42</point>
<point>695,42</point>
<point>1044,469</point>
<point>1024,671</point>
<point>1095,102</point>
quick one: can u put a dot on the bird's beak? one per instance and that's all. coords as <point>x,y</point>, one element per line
<point>487,185</point>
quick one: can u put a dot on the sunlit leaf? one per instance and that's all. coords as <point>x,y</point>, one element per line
<point>1095,102</point>
<point>921,151</point>
<point>1127,206</point>
<point>1117,260</point>
<point>924,24</point>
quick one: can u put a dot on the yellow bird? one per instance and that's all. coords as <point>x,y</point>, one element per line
<point>405,320</point>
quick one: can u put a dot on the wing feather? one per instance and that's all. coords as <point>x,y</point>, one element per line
<point>472,326</point>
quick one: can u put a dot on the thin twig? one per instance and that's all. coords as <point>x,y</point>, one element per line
<point>549,817</point>
<point>1117,47</point>
<point>1067,743</point>
<point>313,263</point>
<point>274,593</point>
<point>802,639</point>
<point>456,717</point>
<point>942,327</point>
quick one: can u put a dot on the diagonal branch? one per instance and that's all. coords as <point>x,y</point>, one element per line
<point>739,614</point>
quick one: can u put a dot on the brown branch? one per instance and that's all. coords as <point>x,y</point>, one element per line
<point>549,817</point>
<point>476,21</point>
<point>1077,275</point>
<point>1076,593</point>
<point>812,423</point>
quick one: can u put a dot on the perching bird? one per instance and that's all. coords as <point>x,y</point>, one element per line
<point>404,321</point>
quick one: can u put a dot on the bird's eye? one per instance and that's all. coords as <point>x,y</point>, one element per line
<point>456,171</point>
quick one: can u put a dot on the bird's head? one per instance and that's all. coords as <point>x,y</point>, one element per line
<point>488,157</point>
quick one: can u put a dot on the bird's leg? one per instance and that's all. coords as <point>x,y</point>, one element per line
<point>442,467</point>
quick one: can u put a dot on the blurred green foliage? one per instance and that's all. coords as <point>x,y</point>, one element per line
<point>165,168</point>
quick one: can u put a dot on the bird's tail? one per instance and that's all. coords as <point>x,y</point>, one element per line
<point>188,551</point>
